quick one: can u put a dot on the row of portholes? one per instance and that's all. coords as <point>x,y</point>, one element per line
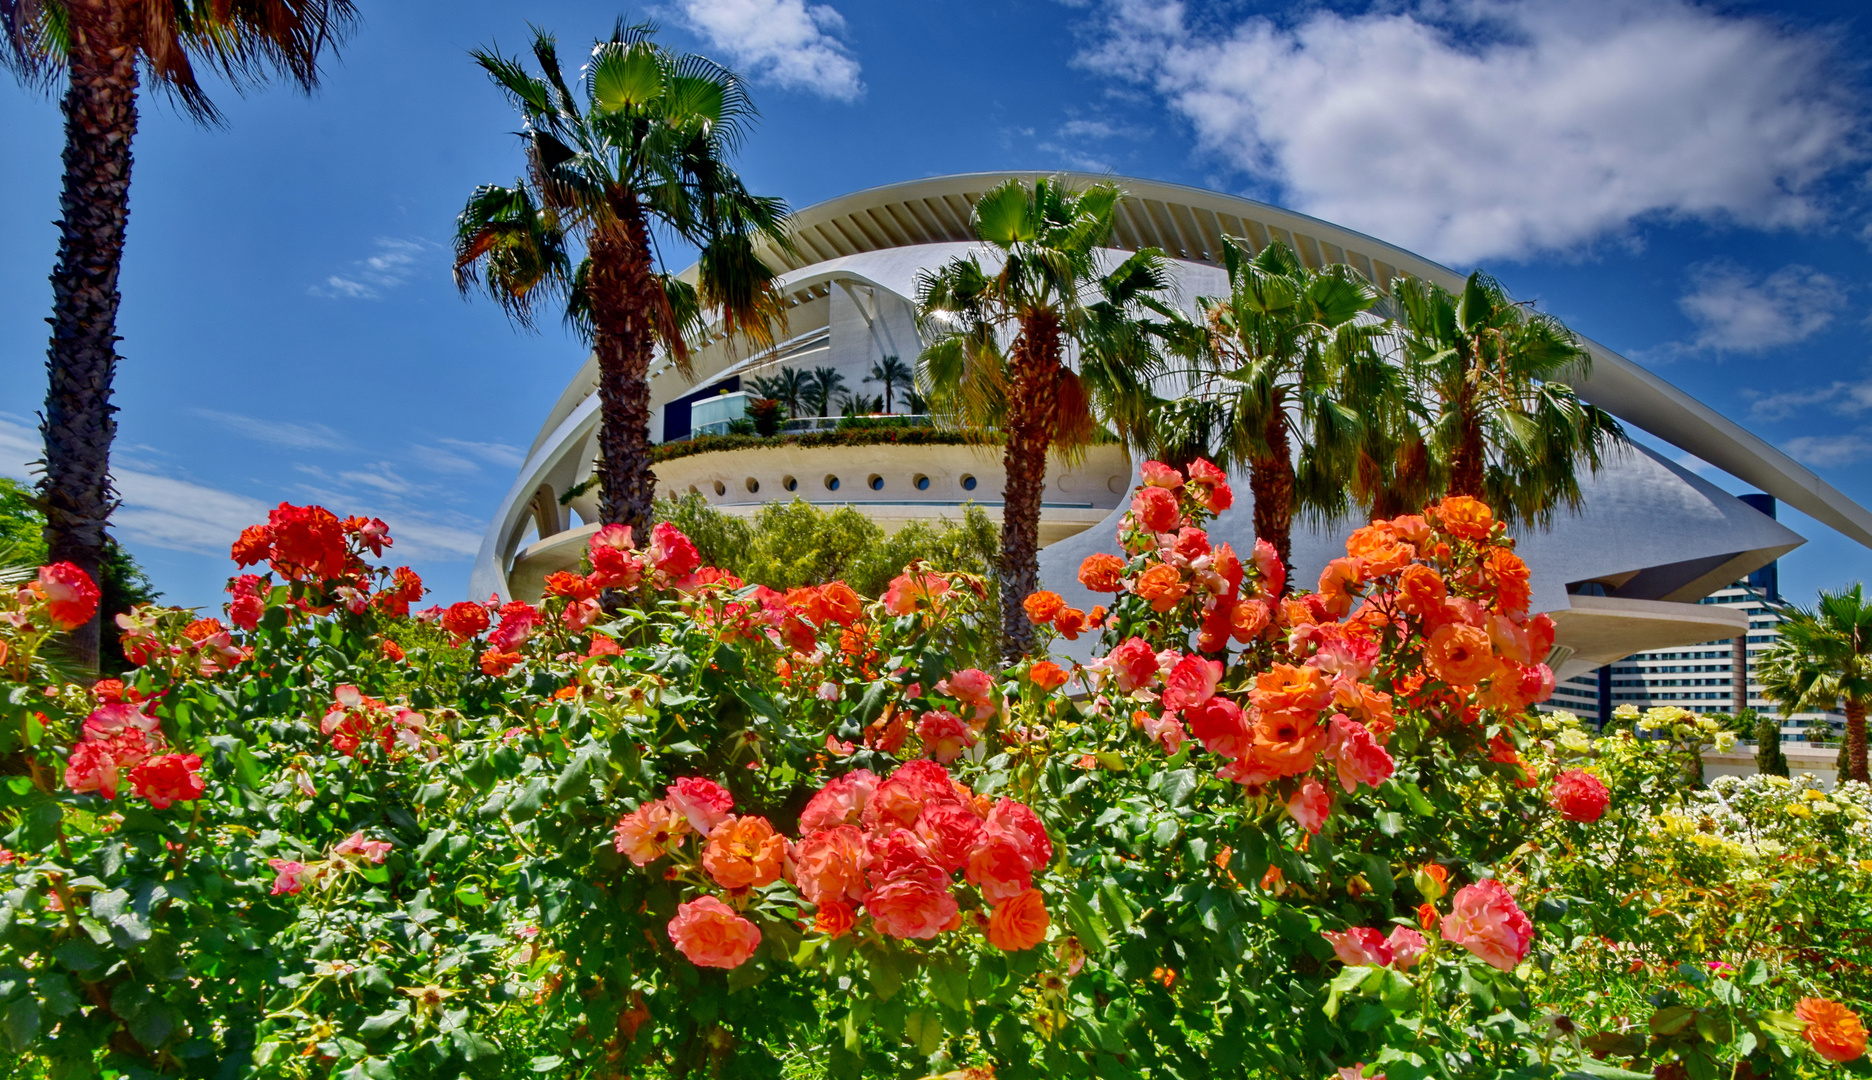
<point>832,483</point>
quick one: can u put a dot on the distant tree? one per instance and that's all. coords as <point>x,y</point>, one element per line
<point>1769,759</point>
<point>892,372</point>
<point>645,145</point>
<point>859,404</point>
<point>1499,419</point>
<point>822,385</point>
<point>101,48</point>
<point>765,413</point>
<point>1037,345</point>
<point>788,386</point>
<point>1823,660</point>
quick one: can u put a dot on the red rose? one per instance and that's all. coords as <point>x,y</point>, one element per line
<point>167,779</point>
<point>465,620</point>
<point>1156,509</point>
<point>1580,796</point>
<point>70,594</point>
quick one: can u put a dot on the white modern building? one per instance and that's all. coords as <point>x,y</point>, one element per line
<point>1624,576</point>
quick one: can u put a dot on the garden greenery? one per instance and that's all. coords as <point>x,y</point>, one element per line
<point>725,829</point>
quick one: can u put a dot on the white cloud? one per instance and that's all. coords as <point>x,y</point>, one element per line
<point>1478,129</point>
<point>1736,311</point>
<point>788,42</point>
<point>1824,450</point>
<point>395,263</point>
<point>492,453</point>
<point>1847,398</point>
<point>278,432</point>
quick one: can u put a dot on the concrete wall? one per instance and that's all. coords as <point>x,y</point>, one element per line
<point>1741,762</point>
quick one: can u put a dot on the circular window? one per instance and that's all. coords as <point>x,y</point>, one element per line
<point>875,483</point>
<point>1115,485</point>
<point>921,482</point>
<point>721,488</point>
<point>753,484</point>
<point>831,482</point>
<point>789,483</point>
<point>968,483</point>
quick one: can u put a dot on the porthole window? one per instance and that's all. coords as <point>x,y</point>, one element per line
<point>921,482</point>
<point>753,485</point>
<point>789,483</point>
<point>968,483</point>
<point>875,483</point>
<point>1115,485</point>
<point>831,482</point>
<point>693,490</point>
<point>721,488</point>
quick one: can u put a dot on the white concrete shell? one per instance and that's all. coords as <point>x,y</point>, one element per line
<point>1651,540</point>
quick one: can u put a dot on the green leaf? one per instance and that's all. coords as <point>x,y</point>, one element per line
<point>1754,973</point>
<point>1178,786</point>
<point>1344,983</point>
<point>470,895</point>
<point>147,1018</point>
<point>549,1063</point>
<point>381,1023</point>
<point>624,79</point>
<point>21,1022</point>
<point>1588,1069</point>
<point>1002,217</point>
<point>1092,931</point>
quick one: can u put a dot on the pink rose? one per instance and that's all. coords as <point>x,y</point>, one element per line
<point>710,934</point>
<point>1268,565</point>
<point>945,735</point>
<point>1360,760</point>
<point>1359,945</point>
<point>1485,920</point>
<point>355,844</point>
<point>704,802</point>
<point>292,876</point>
<point>901,798</point>
<point>1157,474</point>
<point>1407,947</point>
<point>1310,805</point>
<point>1155,509</point>
<point>829,865</point>
<point>948,832</point>
<point>650,832</point>
<point>1191,682</point>
<point>914,903</point>
<point>671,552</point>
<point>1166,730</point>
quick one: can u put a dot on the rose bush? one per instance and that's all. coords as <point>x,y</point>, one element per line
<point>722,829</point>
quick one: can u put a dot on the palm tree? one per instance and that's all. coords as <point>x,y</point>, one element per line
<point>850,404</point>
<point>1823,659</point>
<point>99,47</point>
<point>1034,343</point>
<point>821,387</point>
<point>892,372</point>
<point>1499,422</point>
<point>645,144</point>
<point>788,386</point>
<point>1296,380</point>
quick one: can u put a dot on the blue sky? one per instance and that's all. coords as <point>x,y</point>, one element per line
<point>1685,183</point>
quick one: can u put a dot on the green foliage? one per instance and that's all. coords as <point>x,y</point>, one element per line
<point>1768,756</point>
<point>124,584</point>
<point>851,431</point>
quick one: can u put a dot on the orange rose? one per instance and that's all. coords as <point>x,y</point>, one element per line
<point>1833,1030</point>
<point>1510,575</point>
<point>837,603</point>
<point>1421,590</point>
<point>1161,585</point>
<point>1101,572</point>
<point>1020,923</point>
<point>1286,688</point>
<point>1047,675</point>
<point>1337,581</point>
<point>744,852</point>
<point>710,934</point>
<point>1070,622</point>
<point>1247,619</point>
<point>1378,546</point>
<point>1042,606</point>
<point>835,919</point>
<point>1286,743</point>
<point>1459,654</point>
<point>1460,515</point>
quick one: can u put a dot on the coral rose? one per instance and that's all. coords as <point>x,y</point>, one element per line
<point>1268,565</point>
<point>1157,474</point>
<point>744,853</point>
<point>1359,759</point>
<point>1460,654</point>
<point>1378,547</point>
<point>945,735</point>
<point>1285,744</point>
<point>71,596</point>
<point>710,934</point>
<point>704,802</point>
<point>1510,574</point>
<point>168,778</point>
<point>1485,919</point>
<point>497,663</point>
<point>1310,805</point>
<point>1337,581</point>
<point>908,592</point>
<point>948,832</point>
<point>1833,1030</point>
<point>897,802</point>
<point>1101,572</point>
<point>829,866</point>
<point>1221,726</point>
<point>1580,796</point>
<point>840,802</point>
<point>1421,590</point>
<point>1020,923</point>
<point>1156,509</point>
<point>1042,606</point>
<point>1460,515</point>
<point>1247,619</point>
<point>1133,664</point>
<point>1161,585</point>
<point>913,904</point>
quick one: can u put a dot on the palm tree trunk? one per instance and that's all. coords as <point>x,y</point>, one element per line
<point>1856,739</point>
<point>100,121</point>
<point>624,338</point>
<point>1466,464</point>
<point>1271,481</point>
<point>1030,422</point>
